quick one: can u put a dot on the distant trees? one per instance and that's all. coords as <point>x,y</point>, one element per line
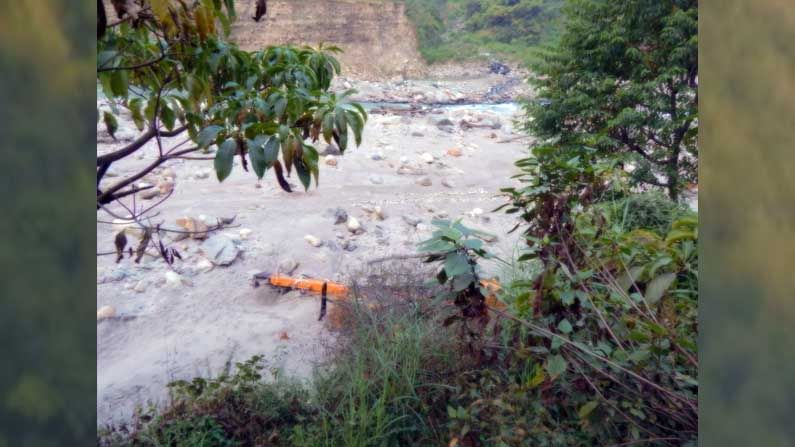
<point>623,81</point>
<point>526,21</point>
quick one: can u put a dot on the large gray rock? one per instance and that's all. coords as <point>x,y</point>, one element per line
<point>220,249</point>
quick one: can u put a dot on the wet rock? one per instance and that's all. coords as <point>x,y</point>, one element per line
<point>288,266</point>
<point>313,241</point>
<point>220,249</point>
<point>105,312</point>
<point>376,179</point>
<point>425,181</point>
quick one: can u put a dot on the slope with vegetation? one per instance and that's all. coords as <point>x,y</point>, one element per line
<point>459,29</point>
<point>591,339</point>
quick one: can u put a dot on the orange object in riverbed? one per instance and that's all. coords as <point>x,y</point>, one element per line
<point>314,285</point>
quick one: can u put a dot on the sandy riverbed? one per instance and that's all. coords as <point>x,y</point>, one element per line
<point>165,332</point>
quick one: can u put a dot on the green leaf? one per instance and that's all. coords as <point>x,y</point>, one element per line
<point>167,116</point>
<point>119,83</point>
<point>456,264</point>
<point>257,156</point>
<point>271,151</point>
<point>658,286</point>
<point>208,135</point>
<point>135,105</point>
<point>111,125</point>
<point>564,326</point>
<point>567,297</point>
<point>587,409</point>
<point>224,159</point>
<point>555,366</point>
<point>626,279</point>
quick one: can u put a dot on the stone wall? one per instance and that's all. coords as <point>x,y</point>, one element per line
<point>377,37</point>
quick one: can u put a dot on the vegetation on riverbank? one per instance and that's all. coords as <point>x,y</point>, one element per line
<point>463,29</point>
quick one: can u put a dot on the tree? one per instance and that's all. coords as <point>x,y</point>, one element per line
<point>169,63</point>
<point>623,80</point>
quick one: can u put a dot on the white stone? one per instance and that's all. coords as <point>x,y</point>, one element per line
<point>313,241</point>
<point>141,286</point>
<point>353,224</point>
<point>204,265</point>
<point>173,278</point>
<point>426,157</point>
<point>106,312</point>
<point>245,233</point>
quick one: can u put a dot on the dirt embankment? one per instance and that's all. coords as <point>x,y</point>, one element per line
<point>378,39</point>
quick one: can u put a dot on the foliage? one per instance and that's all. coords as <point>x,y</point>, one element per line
<point>606,355</point>
<point>623,80</point>
<point>171,67</point>
<point>458,249</point>
<point>524,22</point>
<point>651,211</point>
<point>462,29</point>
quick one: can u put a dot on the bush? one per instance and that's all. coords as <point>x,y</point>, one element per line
<point>651,211</point>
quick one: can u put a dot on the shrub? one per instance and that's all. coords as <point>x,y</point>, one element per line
<point>651,211</point>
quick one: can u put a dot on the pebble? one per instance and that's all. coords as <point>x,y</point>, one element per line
<point>353,224</point>
<point>340,216</point>
<point>426,157</point>
<point>376,179</point>
<point>330,160</point>
<point>454,152</point>
<point>141,286</point>
<point>149,194</point>
<point>245,233</point>
<point>202,174</point>
<point>106,312</point>
<point>417,134</point>
<point>448,183</point>
<point>173,278</point>
<point>377,156</point>
<point>379,213</point>
<point>204,265</point>
<point>425,181</point>
<point>313,241</point>
<point>197,227</point>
